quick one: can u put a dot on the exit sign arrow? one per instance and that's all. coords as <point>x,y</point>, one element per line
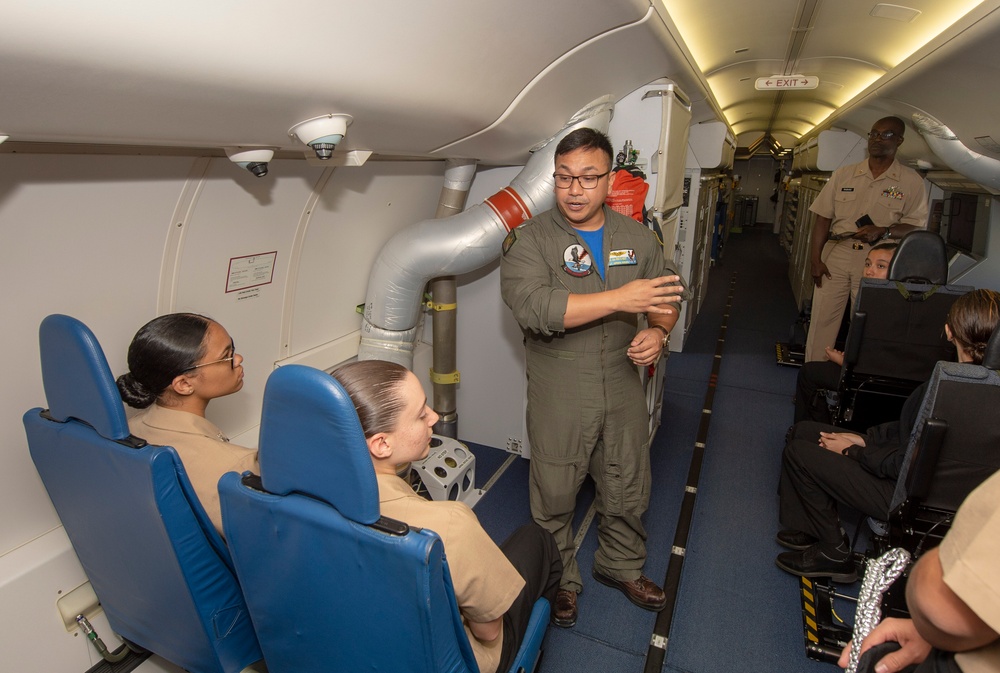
<point>786,82</point>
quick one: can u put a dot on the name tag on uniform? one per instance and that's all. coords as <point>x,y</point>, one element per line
<point>622,258</point>
<point>847,189</point>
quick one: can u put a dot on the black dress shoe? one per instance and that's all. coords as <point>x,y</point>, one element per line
<point>794,539</point>
<point>564,611</point>
<point>642,591</point>
<point>814,562</point>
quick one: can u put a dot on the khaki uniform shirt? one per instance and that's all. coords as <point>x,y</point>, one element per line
<point>895,197</point>
<point>203,449</point>
<point>485,582</point>
<point>970,558</point>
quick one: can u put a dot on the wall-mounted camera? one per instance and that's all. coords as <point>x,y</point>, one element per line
<point>322,133</point>
<point>253,159</point>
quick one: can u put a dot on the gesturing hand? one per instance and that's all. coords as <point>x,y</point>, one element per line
<point>649,295</point>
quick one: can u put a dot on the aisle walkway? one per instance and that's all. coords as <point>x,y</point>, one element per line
<point>735,611</point>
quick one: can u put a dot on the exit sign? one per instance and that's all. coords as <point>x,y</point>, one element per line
<point>786,82</point>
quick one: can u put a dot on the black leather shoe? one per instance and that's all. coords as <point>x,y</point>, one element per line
<point>794,539</point>
<point>564,611</point>
<point>642,591</point>
<point>812,562</point>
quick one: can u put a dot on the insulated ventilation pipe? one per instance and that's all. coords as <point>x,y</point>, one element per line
<point>456,245</point>
<point>946,145</point>
<point>458,174</point>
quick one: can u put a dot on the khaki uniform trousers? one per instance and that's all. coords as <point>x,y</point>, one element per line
<point>847,266</point>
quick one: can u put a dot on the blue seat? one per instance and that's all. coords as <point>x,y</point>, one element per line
<point>161,571</point>
<point>331,584</point>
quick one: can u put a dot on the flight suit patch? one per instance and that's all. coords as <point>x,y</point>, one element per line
<point>622,258</point>
<point>577,261</point>
<point>509,240</point>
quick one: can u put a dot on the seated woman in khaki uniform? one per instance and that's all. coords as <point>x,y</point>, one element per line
<point>496,587</point>
<point>177,364</point>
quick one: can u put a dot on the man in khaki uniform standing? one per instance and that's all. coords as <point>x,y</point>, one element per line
<point>893,198</point>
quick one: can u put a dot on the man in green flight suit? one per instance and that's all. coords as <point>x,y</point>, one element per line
<point>576,279</point>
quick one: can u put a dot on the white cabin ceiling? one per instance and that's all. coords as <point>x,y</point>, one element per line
<point>734,43</point>
<point>416,76</point>
<point>486,80</point>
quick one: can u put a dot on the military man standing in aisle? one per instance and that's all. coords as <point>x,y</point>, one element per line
<point>576,278</point>
<point>864,203</point>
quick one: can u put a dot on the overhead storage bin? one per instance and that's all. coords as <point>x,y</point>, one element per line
<point>829,151</point>
<point>710,146</point>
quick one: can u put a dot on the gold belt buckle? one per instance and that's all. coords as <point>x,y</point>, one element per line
<point>858,246</point>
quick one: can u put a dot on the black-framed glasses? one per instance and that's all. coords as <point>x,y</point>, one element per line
<point>884,135</point>
<point>231,360</point>
<point>564,181</point>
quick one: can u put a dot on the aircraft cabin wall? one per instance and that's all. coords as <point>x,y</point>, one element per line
<point>116,240</point>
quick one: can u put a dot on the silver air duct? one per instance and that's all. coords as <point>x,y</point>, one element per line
<point>946,145</point>
<point>453,246</point>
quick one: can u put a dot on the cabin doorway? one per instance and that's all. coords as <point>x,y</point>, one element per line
<point>757,185</point>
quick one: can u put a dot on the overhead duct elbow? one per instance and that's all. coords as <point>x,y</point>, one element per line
<point>947,147</point>
<point>458,244</point>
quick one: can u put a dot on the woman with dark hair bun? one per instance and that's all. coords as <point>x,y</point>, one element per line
<point>177,364</point>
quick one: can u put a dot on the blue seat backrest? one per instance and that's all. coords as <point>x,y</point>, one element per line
<point>328,586</point>
<point>161,571</point>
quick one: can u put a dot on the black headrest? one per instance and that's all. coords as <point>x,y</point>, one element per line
<point>920,258</point>
<point>991,356</point>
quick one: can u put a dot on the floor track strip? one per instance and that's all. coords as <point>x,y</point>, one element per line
<point>659,640</point>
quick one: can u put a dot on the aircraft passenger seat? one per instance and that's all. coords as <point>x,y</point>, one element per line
<point>331,584</point>
<point>897,332</point>
<point>157,564</point>
<point>954,448</point>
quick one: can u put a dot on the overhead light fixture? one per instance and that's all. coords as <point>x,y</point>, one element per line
<point>253,159</point>
<point>895,12</point>
<point>3,138</point>
<point>322,133</point>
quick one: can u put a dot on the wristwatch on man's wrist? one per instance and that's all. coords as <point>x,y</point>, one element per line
<point>666,334</point>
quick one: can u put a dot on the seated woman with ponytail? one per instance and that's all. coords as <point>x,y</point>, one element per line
<point>177,364</point>
<point>495,587</point>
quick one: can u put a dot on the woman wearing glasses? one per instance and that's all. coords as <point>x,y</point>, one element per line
<point>177,364</point>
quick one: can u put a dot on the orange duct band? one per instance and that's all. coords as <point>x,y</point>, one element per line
<point>508,204</point>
